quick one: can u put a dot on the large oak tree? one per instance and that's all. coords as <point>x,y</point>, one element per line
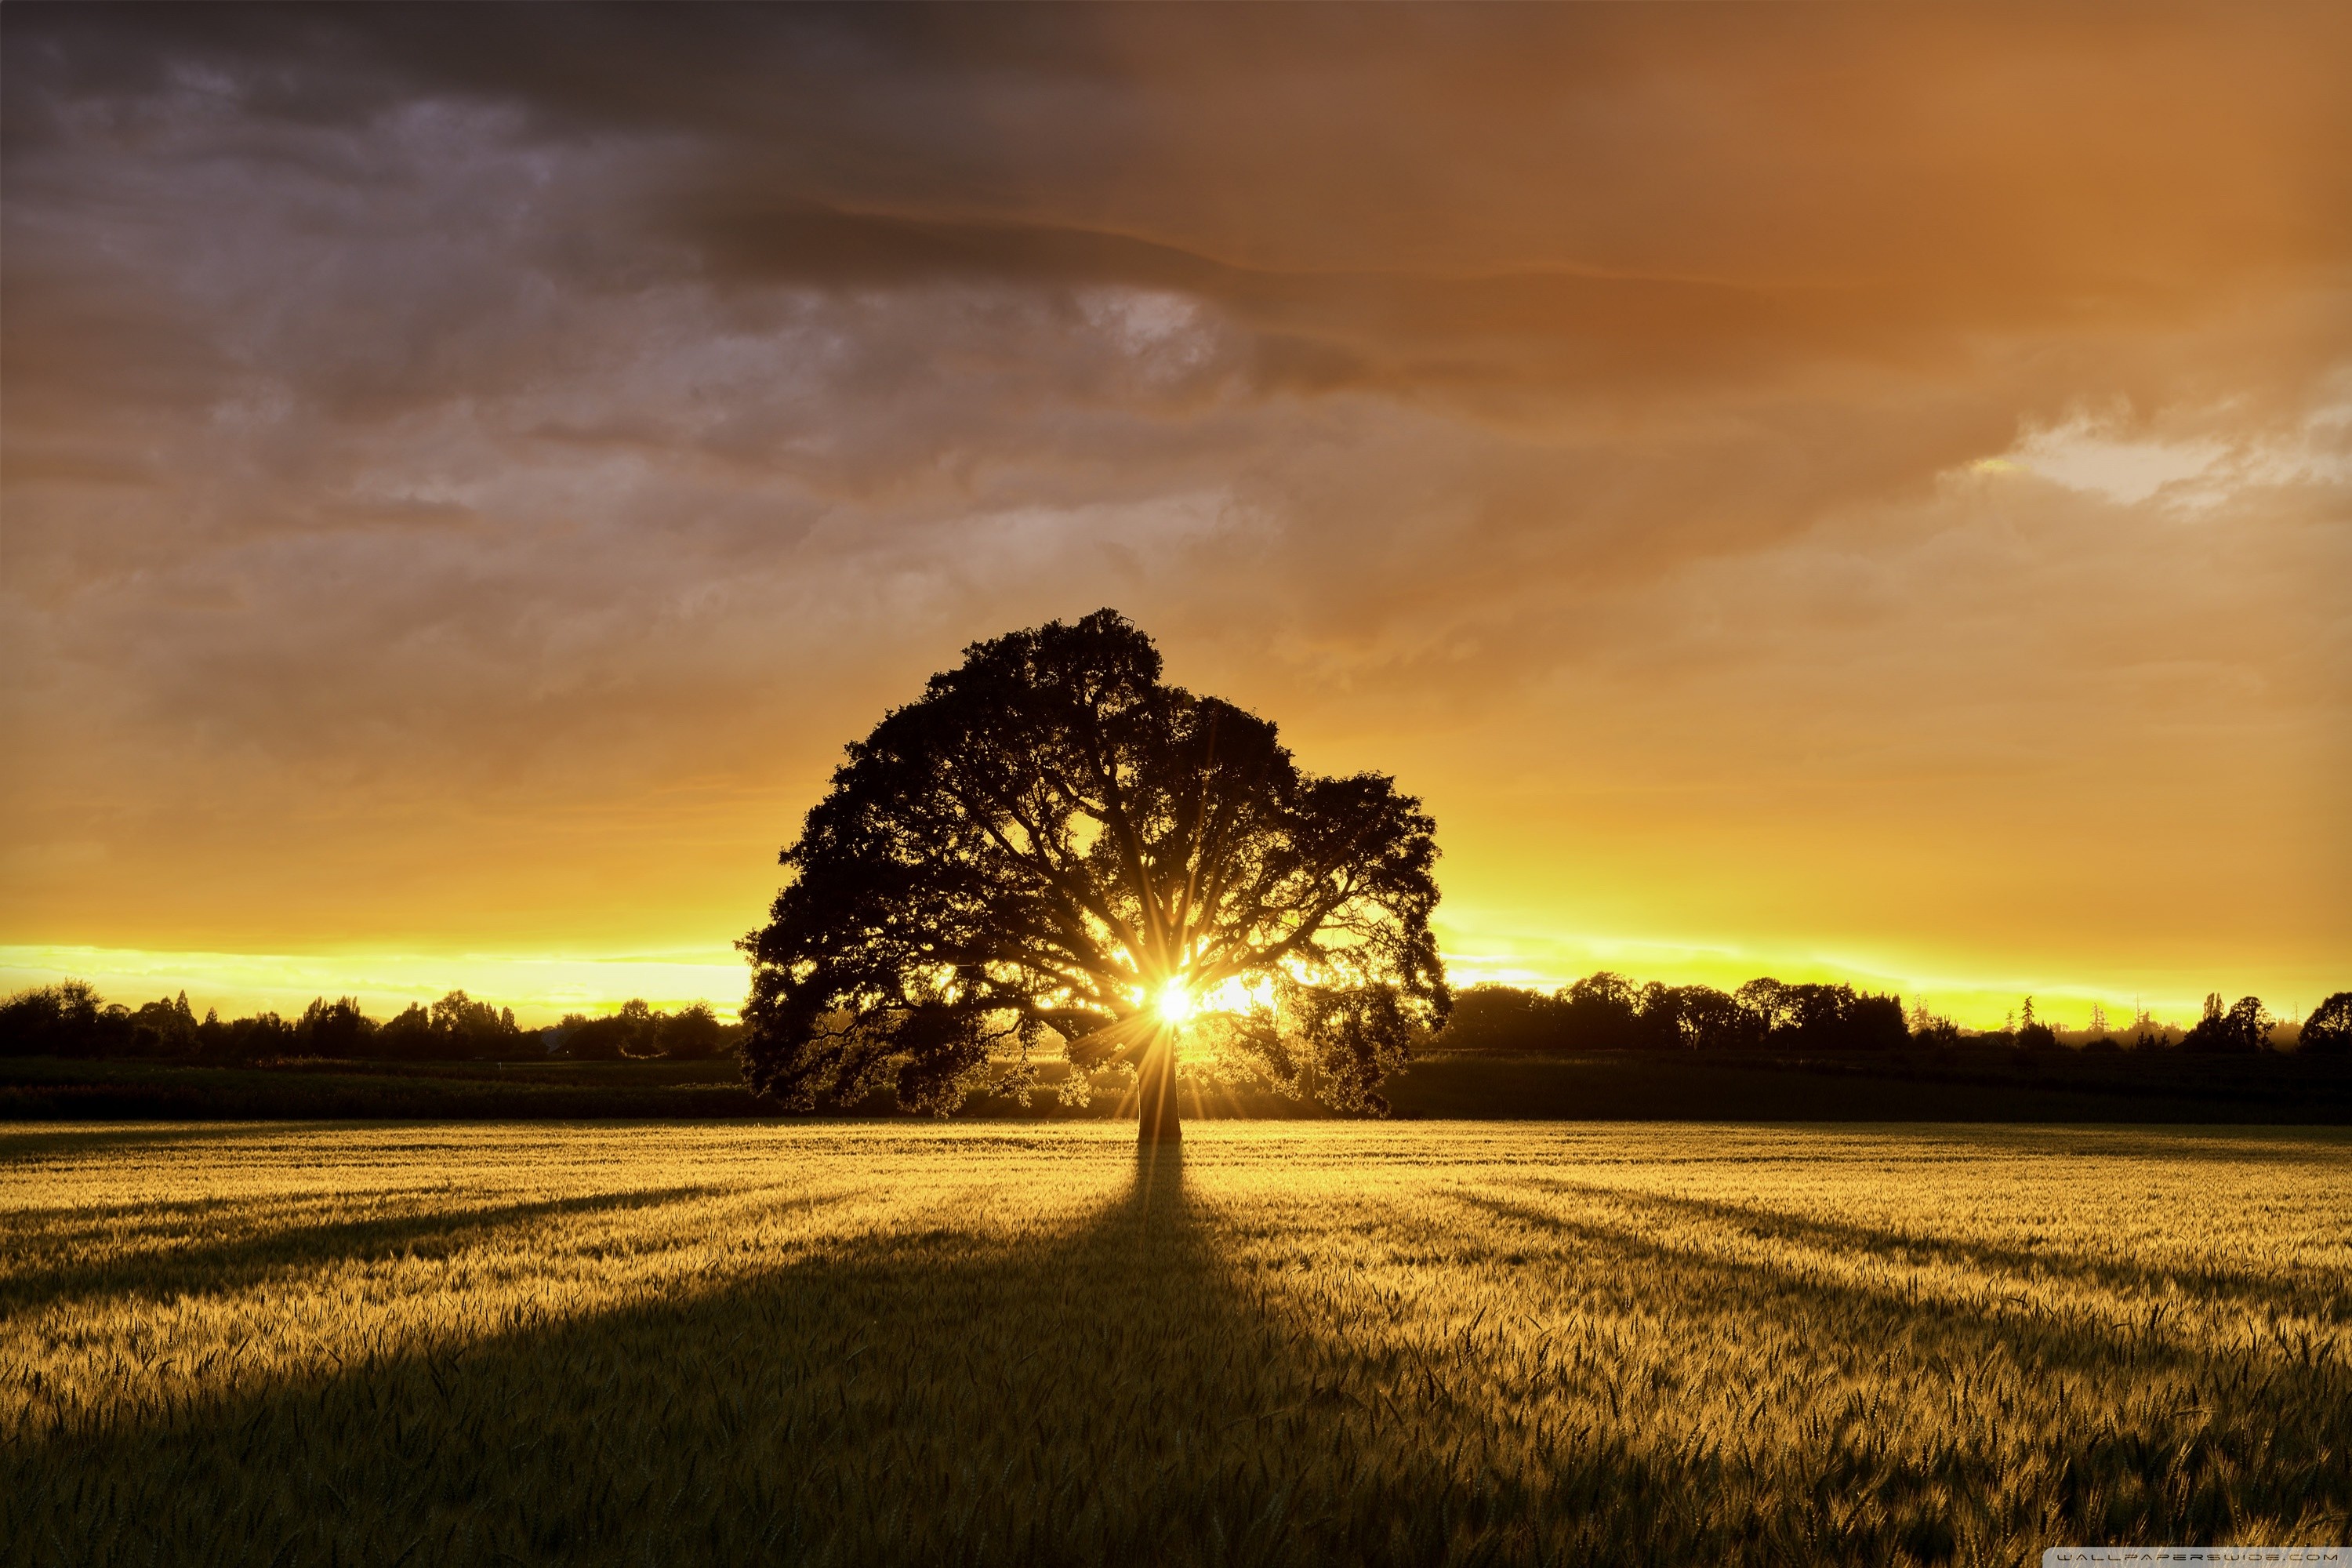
<point>1052,841</point>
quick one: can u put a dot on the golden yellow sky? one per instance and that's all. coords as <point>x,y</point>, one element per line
<point>1835,491</point>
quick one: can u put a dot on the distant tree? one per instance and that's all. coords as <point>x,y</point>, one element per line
<point>2209,1033</point>
<point>2329,1028</point>
<point>1600,1012</point>
<point>28,1022</point>
<point>1820,1018</point>
<point>1766,1001</point>
<point>691,1033</point>
<point>2252,1023</point>
<point>409,1036</point>
<point>1713,1021</point>
<point>250,1040</point>
<point>163,1027</point>
<point>2244,1027</point>
<point>1051,838</point>
<point>1658,1017</point>
<point>1931,1030</point>
<point>641,1026</point>
<point>461,1026</point>
<point>1692,1017</point>
<point>1816,1016</point>
<point>626,1032</point>
<point>1496,1017</point>
<point>637,1029</point>
<point>66,1019</point>
<point>337,1029</point>
<point>1876,1024</point>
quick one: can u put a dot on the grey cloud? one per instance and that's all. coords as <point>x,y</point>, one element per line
<point>411,407</point>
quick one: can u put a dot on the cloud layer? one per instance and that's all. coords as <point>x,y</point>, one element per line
<point>1857,488</point>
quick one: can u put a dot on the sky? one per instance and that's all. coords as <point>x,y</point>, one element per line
<point>1843,492</point>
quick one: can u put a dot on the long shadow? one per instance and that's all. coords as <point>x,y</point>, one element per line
<point>23,1140</point>
<point>2317,1291</point>
<point>1691,1282</point>
<point>227,1266</point>
<point>1114,1390</point>
<point>2241,1142</point>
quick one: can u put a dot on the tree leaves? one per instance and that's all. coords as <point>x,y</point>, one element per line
<point>1048,837</point>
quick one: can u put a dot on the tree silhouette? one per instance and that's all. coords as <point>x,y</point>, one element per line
<point>692,1033</point>
<point>337,1029</point>
<point>1602,1011</point>
<point>1051,838</point>
<point>2329,1028</point>
<point>2245,1027</point>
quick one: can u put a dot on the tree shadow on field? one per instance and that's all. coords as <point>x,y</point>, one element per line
<point>164,1272</point>
<point>926,1395</point>
<point>2319,1292</point>
<point>1118,1390</point>
<point>1110,1393</point>
<point>27,1139</point>
<point>2241,1143</point>
<point>1869,1322</point>
<point>2047,1426</point>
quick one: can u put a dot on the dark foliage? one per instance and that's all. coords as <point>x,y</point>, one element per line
<point>2037,1037</point>
<point>2329,1028</point>
<point>638,1030</point>
<point>692,1033</point>
<point>71,1020</point>
<point>1603,1012</point>
<point>1824,1018</point>
<point>2244,1027</point>
<point>337,1029</point>
<point>1050,837</point>
<point>1694,1018</point>
<point>68,1019</point>
<point>1504,1018</point>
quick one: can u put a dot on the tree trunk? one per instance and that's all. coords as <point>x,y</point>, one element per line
<point>1156,1119</point>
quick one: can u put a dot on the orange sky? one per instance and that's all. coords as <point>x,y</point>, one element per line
<point>1854,492</point>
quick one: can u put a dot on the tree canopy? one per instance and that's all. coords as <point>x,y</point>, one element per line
<point>2329,1028</point>
<point>1053,840</point>
<point>1605,1012</point>
<point>2244,1027</point>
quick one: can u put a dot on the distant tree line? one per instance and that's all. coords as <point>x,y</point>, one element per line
<point>71,1019</point>
<point>1606,1012</point>
<point>1602,1012</point>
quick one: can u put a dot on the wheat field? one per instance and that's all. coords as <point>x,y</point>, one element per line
<point>1297,1342</point>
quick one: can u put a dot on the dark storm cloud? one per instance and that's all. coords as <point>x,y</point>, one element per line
<point>447,418</point>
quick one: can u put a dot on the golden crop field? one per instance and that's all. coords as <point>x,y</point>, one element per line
<point>1302,1342</point>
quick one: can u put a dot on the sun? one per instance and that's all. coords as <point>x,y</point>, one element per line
<point>1175,1002</point>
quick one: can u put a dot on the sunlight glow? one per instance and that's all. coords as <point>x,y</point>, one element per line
<point>1175,1002</point>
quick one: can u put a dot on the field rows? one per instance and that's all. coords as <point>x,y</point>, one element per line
<point>1299,1343</point>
